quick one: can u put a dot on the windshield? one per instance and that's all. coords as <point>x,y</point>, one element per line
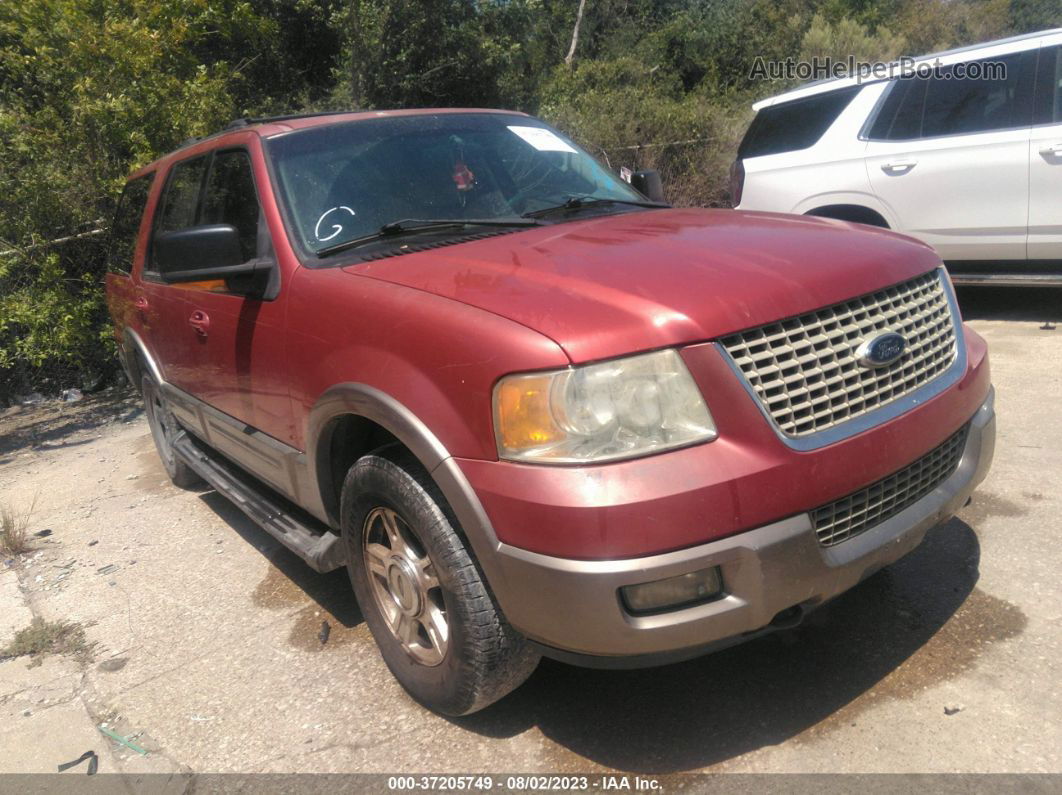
<point>345,181</point>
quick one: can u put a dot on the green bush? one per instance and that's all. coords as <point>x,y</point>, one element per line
<point>88,91</point>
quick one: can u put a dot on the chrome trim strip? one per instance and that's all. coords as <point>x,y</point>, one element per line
<point>879,415</point>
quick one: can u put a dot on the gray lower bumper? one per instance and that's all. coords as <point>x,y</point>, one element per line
<point>572,607</point>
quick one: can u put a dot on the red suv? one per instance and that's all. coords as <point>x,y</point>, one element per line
<point>531,410</point>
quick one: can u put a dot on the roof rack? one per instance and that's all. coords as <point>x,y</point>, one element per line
<point>235,124</point>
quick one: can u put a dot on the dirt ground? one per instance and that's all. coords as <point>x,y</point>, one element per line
<point>203,645</point>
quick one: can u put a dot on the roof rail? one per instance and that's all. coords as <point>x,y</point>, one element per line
<point>235,124</point>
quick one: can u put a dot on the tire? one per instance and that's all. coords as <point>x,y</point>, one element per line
<point>164,430</point>
<point>425,601</point>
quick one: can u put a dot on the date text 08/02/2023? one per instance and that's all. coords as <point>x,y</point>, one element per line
<point>544,783</point>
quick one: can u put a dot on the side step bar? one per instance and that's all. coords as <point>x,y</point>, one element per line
<point>1006,279</point>
<point>308,538</point>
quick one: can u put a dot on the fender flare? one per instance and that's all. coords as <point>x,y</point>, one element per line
<point>377,406</point>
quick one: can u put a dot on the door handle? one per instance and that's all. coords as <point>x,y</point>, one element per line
<point>898,165</point>
<point>141,303</point>
<point>200,321</point>
<point>1053,149</point>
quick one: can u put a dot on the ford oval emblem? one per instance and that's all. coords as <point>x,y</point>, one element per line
<point>881,350</point>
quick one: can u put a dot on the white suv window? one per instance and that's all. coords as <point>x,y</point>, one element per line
<point>945,104</point>
<point>794,125</point>
<point>1049,87</point>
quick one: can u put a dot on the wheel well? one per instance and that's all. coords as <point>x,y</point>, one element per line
<point>850,212</point>
<point>343,441</point>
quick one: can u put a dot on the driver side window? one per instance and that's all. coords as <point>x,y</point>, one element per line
<point>177,208</point>
<point>217,188</point>
<point>231,198</point>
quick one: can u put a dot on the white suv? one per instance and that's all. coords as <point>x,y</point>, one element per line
<point>971,166</point>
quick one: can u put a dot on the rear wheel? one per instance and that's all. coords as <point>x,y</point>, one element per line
<point>164,430</point>
<point>422,595</point>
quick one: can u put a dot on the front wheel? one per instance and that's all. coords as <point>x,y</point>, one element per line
<point>423,598</point>
<point>164,430</point>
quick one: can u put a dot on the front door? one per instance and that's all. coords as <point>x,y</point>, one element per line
<point>230,346</point>
<point>948,154</point>
<point>1045,162</point>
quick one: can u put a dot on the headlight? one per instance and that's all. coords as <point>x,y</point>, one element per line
<point>600,412</point>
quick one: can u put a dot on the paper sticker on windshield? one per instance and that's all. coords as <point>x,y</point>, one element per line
<point>542,139</point>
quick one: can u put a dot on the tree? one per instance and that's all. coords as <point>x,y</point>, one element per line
<point>575,32</point>
<point>90,89</point>
<point>846,37</point>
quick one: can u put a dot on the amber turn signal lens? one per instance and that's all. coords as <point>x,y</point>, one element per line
<point>523,413</point>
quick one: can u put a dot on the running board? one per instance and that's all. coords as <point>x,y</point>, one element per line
<point>311,540</point>
<point>1006,279</point>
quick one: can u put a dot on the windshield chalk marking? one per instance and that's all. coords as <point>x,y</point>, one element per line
<point>336,228</point>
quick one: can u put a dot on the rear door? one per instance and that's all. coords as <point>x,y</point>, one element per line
<point>124,296</point>
<point>1045,161</point>
<point>948,154</point>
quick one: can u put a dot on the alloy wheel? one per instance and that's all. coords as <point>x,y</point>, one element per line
<point>405,586</point>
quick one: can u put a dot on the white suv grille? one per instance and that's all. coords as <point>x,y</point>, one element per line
<point>804,369</point>
<point>866,508</point>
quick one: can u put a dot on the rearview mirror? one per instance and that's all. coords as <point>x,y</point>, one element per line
<point>649,184</point>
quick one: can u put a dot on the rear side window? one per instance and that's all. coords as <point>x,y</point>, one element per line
<point>126,226</point>
<point>979,96</point>
<point>794,125</point>
<point>231,198</point>
<point>1049,87</point>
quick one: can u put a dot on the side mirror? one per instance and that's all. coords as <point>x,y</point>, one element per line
<point>201,253</point>
<point>649,184</point>
<point>210,252</point>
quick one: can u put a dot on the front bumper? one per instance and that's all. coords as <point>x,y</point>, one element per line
<point>771,574</point>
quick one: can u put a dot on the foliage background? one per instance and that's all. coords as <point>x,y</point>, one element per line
<point>91,89</point>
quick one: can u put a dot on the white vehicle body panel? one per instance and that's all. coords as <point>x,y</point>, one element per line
<point>1045,192</point>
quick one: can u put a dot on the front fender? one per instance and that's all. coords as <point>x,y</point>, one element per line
<point>371,403</point>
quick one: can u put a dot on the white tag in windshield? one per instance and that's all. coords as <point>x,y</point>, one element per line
<point>542,139</point>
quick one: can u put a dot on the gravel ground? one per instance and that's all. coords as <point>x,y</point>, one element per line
<point>205,650</point>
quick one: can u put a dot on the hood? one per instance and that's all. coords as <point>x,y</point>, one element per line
<point>618,284</point>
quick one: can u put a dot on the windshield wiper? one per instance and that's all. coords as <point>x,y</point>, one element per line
<point>579,202</point>
<point>409,226</point>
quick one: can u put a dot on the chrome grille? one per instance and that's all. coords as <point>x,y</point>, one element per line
<point>859,512</point>
<point>804,369</point>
